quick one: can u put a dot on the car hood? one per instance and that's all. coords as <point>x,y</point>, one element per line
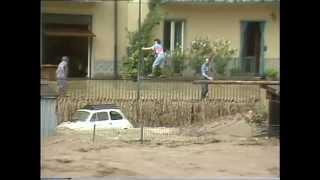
<point>75,125</point>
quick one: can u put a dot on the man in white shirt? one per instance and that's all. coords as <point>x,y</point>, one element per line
<point>204,73</point>
<point>62,74</point>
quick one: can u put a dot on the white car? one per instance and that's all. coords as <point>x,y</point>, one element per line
<point>103,116</point>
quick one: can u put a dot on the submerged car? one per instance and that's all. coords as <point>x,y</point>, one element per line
<point>103,116</point>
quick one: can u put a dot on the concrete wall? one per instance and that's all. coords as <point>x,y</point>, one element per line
<point>48,117</point>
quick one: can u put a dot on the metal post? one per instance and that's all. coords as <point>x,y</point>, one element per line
<point>139,74</point>
<point>94,132</point>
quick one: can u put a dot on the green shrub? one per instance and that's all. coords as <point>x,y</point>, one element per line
<point>167,70</point>
<point>271,74</point>
<point>223,53</point>
<point>201,48</point>
<point>142,38</point>
<point>177,58</point>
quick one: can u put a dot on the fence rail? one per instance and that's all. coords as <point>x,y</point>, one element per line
<point>126,90</point>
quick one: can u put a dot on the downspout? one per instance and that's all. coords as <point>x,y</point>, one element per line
<point>41,39</point>
<point>115,64</point>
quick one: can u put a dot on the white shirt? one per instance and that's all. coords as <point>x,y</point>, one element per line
<point>61,72</point>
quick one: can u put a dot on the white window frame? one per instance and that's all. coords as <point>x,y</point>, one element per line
<point>172,33</point>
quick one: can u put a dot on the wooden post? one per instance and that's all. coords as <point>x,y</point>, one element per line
<point>94,132</point>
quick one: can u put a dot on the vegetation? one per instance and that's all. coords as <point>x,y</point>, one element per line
<point>271,74</point>
<point>201,48</point>
<point>258,118</point>
<point>223,53</point>
<point>142,38</point>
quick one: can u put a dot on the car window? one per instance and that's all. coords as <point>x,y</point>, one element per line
<point>94,117</point>
<point>80,116</point>
<point>115,115</point>
<point>103,116</point>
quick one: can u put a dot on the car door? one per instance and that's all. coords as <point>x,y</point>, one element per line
<point>103,119</point>
<point>116,119</point>
<point>93,120</point>
<point>100,119</point>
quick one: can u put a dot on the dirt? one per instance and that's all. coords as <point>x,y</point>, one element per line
<point>233,154</point>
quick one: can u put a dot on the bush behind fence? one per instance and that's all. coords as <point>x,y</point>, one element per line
<point>161,103</point>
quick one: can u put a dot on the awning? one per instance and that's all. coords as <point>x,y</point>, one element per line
<point>70,32</point>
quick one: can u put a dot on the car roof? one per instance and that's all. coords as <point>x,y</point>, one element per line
<point>100,107</point>
<point>100,110</point>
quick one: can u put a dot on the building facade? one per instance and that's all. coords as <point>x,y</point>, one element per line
<point>94,33</point>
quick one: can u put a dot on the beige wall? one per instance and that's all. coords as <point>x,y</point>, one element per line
<point>102,25</point>
<point>224,22</point>
<point>122,33</point>
<point>128,21</point>
<point>211,21</point>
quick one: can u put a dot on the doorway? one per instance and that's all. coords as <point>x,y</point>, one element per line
<point>68,35</point>
<point>76,48</point>
<point>252,47</point>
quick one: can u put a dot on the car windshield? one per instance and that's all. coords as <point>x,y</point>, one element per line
<point>80,116</point>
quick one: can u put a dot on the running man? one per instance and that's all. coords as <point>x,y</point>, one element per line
<point>159,55</point>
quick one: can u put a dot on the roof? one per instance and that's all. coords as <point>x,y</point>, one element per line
<point>47,89</point>
<point>101,106</point>
<point>219,1</point>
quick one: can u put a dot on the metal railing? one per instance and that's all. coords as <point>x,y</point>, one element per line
<point>151,90</point>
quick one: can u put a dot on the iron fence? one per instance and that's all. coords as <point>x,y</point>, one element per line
<point>155,90</point>
<point>169,101</point>
<point>249,66</point>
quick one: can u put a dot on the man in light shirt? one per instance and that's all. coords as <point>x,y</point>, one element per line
<point>62,74</point>
<point>205,76</point>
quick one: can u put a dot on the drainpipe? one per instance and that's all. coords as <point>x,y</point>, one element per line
<point>41,40</point>
<point>115,64</point>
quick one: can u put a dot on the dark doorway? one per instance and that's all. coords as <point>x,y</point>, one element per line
<point>68,35</point>
<point>251,50</point>
<point>75,47</point>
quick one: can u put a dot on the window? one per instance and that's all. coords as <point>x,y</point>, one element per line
<point>94,117</point>
<point>115,115</point>
<point>103,116</point>
<point>173,34</point>
<point>80,116</point>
